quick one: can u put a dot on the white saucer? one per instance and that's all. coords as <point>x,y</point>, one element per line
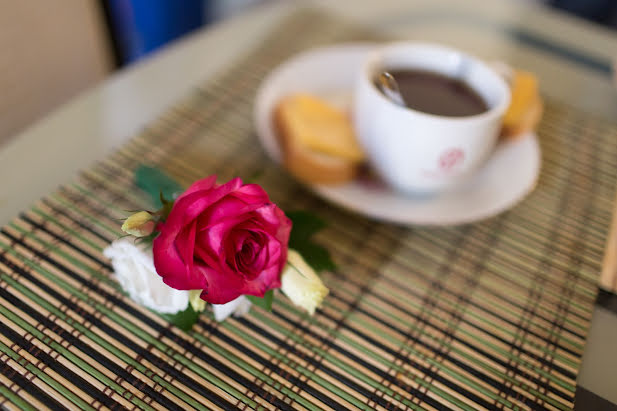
<point>509,175</point>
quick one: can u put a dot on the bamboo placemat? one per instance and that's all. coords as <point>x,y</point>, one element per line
<point>487,315</point>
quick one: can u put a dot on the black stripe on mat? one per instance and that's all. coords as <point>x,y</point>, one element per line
<point>383,347</point>
<point>304,385</point>
<point>96,355</point>
<point>64,241</point>
<point>103,360</point>
<point>561,370</point>
<point>455,295</point>
<point>478,373</point>
<point>30,388</point>
<point>81,225</point>
<point>55,365</point>
<point>189,382</point>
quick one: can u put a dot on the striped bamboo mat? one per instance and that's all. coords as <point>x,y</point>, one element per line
<point>489,315</point>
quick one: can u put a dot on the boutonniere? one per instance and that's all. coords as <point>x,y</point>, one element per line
<point>226,245</point>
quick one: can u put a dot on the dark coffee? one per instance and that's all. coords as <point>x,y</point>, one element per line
<point>438,94</point>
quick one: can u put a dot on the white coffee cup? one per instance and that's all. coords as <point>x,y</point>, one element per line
<point>418,152</point>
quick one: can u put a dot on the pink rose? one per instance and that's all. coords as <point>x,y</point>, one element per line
<point>227,240</point>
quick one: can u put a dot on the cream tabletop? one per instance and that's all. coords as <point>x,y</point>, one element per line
<point>571,57</point>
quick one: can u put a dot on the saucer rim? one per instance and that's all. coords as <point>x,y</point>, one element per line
<point>444,219</point>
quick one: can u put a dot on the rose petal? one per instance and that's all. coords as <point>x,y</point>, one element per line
<point>224,208</point>
<point>266,280</point>
<point>252,194</point>
<point>204,258</point>
<point>278,249</point>
<point>245,259</point>
<point>171,267</point>
<point>224,286</point>
<point>214,237</point>
<point>166,256</point>
<point>189,206</point>
<point>275,220</point>
<point>262,255</point>
<point>200,185</point>
<point>231,254</point>
<point>185,243</point>
<point>282,232</point>
<point>284,229</point>
<point>243,251</point>
<point>275,249</point>
<point>238,238</point>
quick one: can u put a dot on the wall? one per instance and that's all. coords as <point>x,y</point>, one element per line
<point>51,50</point>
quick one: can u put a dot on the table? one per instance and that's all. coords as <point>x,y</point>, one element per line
<point>98,122</point>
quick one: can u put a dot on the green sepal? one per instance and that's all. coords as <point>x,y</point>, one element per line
<point>305,225</point>
<point>166,207</point>
<point>265,302</point>
<point>183,319</point>
<point>146,241</point>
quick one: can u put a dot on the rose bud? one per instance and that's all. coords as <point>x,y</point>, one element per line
<point>301,284</point>
<point>140,224</point>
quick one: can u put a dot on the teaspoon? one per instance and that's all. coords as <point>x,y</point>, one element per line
<point>389,87</point>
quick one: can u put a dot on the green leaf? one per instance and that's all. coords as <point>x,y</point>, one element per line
<point>156,184</point>
<point>265,302</point>
<point>183,319</point>
<point>317,256</point>
<point>305,225</point>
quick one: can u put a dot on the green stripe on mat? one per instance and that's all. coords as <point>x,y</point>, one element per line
<point>126,325</point>
<point>252,370</point>
<point>63,227</point>
<point>365,326</point>
<point>56,249</point>
<point>14,398</point>
<point>44,377</point>
<point>65,352</point>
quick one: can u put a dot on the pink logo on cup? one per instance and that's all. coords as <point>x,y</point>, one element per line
<point>450,158</point>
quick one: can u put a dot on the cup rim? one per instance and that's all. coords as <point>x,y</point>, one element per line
<point>375,56</point>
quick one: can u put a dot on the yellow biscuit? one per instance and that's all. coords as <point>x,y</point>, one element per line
<point>320,127</point>
<point>525,110</point>
<point>317,141</point>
